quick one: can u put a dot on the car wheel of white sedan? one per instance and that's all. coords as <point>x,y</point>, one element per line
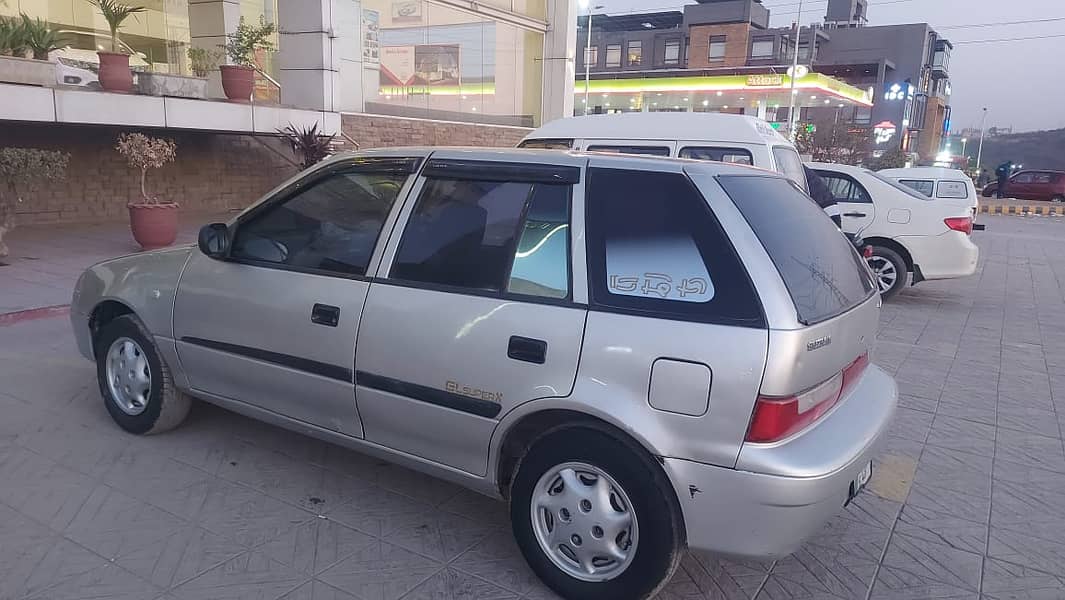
<point>889,270</point>
<point>135,382</point>
<point>593,518</point>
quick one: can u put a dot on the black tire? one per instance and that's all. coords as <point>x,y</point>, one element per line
<point>660,542</point>
<point>1058,198</point>
<point>988,192</point>
<point>902,271</point>
<point>166,407</point>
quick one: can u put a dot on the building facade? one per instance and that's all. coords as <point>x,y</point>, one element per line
<point>721,55</point>
<point>375,72</point>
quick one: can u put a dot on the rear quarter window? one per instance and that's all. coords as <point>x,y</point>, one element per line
<point>924,186</point>
<point>547,144</point>
<point>952,189</point>
<point>644,150</point>
<point>823,273</point>
<point>737,156</point>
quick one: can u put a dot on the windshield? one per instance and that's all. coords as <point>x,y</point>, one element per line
<point>898,186</point>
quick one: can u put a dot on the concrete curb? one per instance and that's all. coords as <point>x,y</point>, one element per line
<point>33,314</point>
<point>1050,210</point>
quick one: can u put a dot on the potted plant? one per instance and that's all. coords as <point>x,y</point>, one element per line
<point>154,223</point>
<point>115,75</point>
<point>24,47</point>
<point>238,79</point>
<point>203,61</point>
<point>308,143</point>
<point>21,170</point>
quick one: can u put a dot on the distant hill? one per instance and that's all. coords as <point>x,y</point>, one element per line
<point>1034,150</point>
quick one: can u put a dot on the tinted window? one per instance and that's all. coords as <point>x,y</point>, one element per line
<point>559,144</point>
<point>468,234</point>
<point>909,191</point>
<point>762,49</point>
<point>655,248</point>
<point>844,189</point>
<point>952,189</point>
<point>820,268</point>
<point>790,165</point>
<point>613,55</point>
<point>672,56</point>
<point>737,156</point>
<point>1041,178</point>
<point>923,186</point>
<point>635,53</point>
<point>1023,178</point>
<point>541,262</point>
<point>332,226</point>
<point>647,150</point>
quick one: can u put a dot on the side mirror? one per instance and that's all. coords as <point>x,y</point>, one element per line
<point>214,240</point>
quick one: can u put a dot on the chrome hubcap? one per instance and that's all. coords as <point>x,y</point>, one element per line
<point>885,272</point>
<point>128,376</point>
<point>584,522</point>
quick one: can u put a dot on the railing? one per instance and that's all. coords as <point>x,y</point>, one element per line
<point>269,79</point>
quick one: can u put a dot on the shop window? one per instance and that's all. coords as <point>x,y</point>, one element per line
<point>613,55</point>
<point>717,48</point>
<point>591,56</point>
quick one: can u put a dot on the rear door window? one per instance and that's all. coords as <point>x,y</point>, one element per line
<point>824,275</point>
<point>737,156</point>
<point>924,186</point>
<point>645,150</point>
<point>548,144</point>
<point>952,189</point>
<point>790,165</point>
<point>845,189</point>
<point>655,249</point>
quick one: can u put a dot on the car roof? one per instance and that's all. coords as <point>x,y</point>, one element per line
<point>716,127</point>
<point>555,157</point>
<point>925,172</point>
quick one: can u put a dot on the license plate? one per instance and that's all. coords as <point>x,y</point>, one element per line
<point>860,481</point>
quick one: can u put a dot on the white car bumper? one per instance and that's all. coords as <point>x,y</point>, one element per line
<point>946,256</point>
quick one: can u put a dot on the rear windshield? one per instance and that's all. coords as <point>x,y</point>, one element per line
<point>822,271</point>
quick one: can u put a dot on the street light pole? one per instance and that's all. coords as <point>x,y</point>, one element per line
<point>792,121</point>
<point>585,4</point>
<point>980,152</point>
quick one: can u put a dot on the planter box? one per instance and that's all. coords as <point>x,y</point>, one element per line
<point>177,86</point>
<point>27,71</point>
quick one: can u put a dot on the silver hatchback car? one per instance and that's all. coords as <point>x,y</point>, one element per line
<point>639,354</point>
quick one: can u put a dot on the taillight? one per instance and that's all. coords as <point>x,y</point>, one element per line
<point>775,418</point>
<point>962,224</point>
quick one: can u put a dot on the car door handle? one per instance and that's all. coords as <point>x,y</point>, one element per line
<point>323,314</point>
<point>527,350</point>
<point>854,214</point>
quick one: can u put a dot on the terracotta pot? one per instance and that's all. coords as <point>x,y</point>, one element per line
<point>238,82</point>
<point>154,225</point>
<point>115,75</point>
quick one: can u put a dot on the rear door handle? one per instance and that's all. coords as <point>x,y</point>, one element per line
<point>527,350</point>
<point>323,314</point>
<point>854,214</point>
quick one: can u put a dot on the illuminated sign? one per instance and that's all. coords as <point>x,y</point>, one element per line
<point>765,80</point>
<point>883,132</point>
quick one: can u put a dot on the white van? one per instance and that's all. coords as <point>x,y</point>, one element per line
<point>738,139</point>
<point>938,183</point>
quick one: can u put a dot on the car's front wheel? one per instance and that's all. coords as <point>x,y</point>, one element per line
<point>135,381</point>
<point>890,271</point>
<point>595,518</point>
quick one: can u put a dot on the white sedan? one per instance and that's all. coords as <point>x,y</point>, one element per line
<point>909,232</point>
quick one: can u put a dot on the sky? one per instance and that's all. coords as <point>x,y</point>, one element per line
<point>1022,83</point>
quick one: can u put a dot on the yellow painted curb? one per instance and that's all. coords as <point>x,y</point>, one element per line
<point>1044,210</point>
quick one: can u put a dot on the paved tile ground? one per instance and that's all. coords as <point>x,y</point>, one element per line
<point>46,260</point>
<point>966,501</point>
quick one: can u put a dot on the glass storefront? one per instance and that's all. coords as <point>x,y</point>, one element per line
<point>422,59</point>
<point>156,39</point>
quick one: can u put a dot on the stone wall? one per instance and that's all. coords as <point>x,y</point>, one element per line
<point>377,131</point>
<point>213,172</point>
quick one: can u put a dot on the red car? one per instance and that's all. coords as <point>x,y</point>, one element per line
<point>1032,185</point>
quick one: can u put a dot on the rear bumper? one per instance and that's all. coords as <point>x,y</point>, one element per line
<point>781,494</point>
<point>946,256</point>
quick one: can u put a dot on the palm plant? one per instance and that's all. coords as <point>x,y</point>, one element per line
<point>12,37</point>
<point>311,145</point>
<point>39,38</point>
<point>115,13</point>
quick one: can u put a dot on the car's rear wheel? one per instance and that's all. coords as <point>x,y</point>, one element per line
<point>889,269</point>
<point>594,517</point>
<point>135,381</point>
